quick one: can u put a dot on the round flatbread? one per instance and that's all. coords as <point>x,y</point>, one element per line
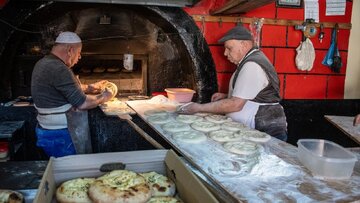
<point>175,127</point>
<point>192,136</point>
<point>188,118</point>
<point>85,70</point>
<point>241,147</point>
<point>217,118</point>
<point>158,119</point>
<point>224,136</point>
<point>112,88</point>
<point>164,200</point>
<point>233,126</point>
<point>113,69</point>
<point>75,190</point>
<point>160,185</point>
<point>10,196</point>
<point>120,186</point>
<point>255,136</point>
<point>155,112</point>
<point>205,126</point>
<point>99,70</point>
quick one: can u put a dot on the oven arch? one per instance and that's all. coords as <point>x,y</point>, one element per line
<point>169,19</point>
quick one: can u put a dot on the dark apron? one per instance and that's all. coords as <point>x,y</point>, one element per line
<point>78,126</point>
<point>271,119</point>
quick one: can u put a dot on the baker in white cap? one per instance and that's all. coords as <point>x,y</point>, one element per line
<point>62,101</point>
<point>254,92</point>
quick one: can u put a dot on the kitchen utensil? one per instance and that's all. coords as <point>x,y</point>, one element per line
<point>326,159</point>
<point>182,95</point>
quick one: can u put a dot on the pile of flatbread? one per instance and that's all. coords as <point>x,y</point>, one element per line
<point>233,136</point>
<point>119,186</point>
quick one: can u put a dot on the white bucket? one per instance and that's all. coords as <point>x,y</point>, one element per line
<point>128,61</point>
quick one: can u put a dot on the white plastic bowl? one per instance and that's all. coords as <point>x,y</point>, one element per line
<point>326,159</point>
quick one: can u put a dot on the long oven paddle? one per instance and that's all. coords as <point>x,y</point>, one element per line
<point>147,137</point>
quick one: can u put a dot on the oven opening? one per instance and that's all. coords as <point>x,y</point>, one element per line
<point>93,68</point>
<point>169,49</point>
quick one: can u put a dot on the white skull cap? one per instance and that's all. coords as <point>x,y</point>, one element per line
<point>68,38</point>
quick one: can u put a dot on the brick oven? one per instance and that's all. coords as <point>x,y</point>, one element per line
<point>168,48</point>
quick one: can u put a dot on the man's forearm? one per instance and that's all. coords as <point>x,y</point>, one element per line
<point>223,106</point>
<point>92,101</point>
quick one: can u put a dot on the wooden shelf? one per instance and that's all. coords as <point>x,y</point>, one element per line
<point>267,21</point>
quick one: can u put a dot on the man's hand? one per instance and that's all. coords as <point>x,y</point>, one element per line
<point>189,108</point>
<point>357,120</point>
<point>218,96</point>
<point>107,95</point>
<point>97,87</point>
<point>100,85</point>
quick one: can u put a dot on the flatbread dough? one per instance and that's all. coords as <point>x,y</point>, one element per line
<point>188,118</point>
<point>112,88</point>
<point>175,127</point>
<point>75,190</point>
<point>255,136</point>
<point>241,147</point>
<point>120,186</point>
<point>234,126</point>
<point>192,136</point>
<point>154,112</point>
<point>159,119</point>
<point>202,114</point>
<point>160,184</point>
<point>164,200</point>
<point>205,126</point>
<point>224,136</point>
<point>215,118</point>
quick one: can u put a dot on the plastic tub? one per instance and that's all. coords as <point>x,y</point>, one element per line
<point>182,95</point>
<point>326,159</point>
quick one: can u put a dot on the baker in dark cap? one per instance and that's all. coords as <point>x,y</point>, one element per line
<point>254,92</point>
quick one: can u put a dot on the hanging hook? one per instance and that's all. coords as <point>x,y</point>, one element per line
<point>220,22</point>
<point>239,22</point>
<point>321,34</point>
<point>202,25</point>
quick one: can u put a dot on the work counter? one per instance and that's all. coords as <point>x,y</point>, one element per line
<point>276,176</point>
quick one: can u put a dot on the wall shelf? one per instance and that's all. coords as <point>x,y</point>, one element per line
<point>267,21</point>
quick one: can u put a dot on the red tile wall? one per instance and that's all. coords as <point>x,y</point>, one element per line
<point>279,44</point>
<point>2,3</point>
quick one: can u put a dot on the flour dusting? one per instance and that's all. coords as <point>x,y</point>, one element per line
<point>271,166</point>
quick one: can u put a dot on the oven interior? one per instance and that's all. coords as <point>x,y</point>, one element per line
<point>168,48</point>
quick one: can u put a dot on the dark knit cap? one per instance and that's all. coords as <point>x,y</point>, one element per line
<point>239,32</point>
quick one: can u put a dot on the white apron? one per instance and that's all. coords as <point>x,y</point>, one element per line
<point>67,117</point>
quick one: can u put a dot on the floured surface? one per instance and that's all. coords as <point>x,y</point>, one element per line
<point>274,174</point>
<point>345,123</point>
<point>115,107</point>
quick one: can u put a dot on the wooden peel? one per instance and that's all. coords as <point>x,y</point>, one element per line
<point>147,137</point>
